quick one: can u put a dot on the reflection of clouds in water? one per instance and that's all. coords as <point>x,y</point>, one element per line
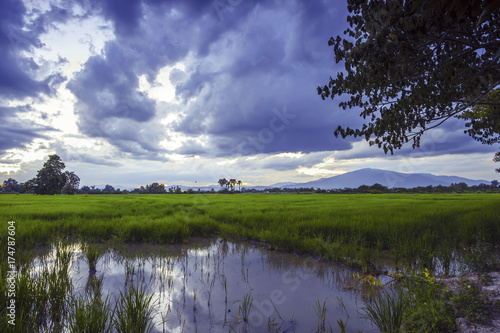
<point>282,286</point>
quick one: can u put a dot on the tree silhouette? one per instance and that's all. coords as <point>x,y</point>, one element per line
<point>232,182</point>
<point>412,65</point>
<point>222,182</point>
<point>51,178</point>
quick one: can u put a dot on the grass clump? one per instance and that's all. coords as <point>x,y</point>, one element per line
<point>386,310</point>
<point>429,308</point>
<point>422,304</point>
<point>90,313</point>
<point>41,297</point>
<point>471,303</point>
<point>245,307</point>
<point>320,310</point>
<point>433,307</point>
<point>134,311</point>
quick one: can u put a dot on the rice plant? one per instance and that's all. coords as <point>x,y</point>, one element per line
<point>134,311</point>
<point>386,311</point>
<point>459,232</point>
<point>41,296</point>
<point>90,313</point>
<point>31,303</point>
<point>320,310</point>
<point>58,283</point>
<point>347,228</point>
<point>245,307</point>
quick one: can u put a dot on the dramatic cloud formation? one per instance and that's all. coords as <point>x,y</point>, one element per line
<point>184,89</point>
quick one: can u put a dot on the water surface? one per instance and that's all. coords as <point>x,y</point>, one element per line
<point>206,285</point>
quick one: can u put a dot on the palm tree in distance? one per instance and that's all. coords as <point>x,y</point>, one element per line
<point>239,184</point>
<point>222,182</point>
<point>232,182</point>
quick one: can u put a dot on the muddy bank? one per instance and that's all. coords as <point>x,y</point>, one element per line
<point>490,285</point>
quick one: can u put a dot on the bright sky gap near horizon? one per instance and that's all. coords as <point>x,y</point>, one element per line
<point>187,92</point>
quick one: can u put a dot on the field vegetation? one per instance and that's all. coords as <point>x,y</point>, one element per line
<point>412,231</point>
<point>415,237</point>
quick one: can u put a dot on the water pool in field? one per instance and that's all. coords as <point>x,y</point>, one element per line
<point>212,285</point>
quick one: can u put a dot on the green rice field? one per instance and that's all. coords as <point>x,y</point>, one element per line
<point>412,231</point>
<point>60,253</point>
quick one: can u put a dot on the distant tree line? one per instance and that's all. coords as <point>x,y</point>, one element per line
<point>380,189</point>
<point>51,179</point>
<point>12,186</point>
<point>108,189</point>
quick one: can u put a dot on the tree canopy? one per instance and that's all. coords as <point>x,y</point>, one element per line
<point>230,183</point>
<point>11,185</point>
<point>52,180</point>
<point>412,65</point>
<point>483,122</point>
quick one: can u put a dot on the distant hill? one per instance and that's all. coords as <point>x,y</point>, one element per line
<point>387,178</point>
<point>281,185</point>
<point>353,179</point>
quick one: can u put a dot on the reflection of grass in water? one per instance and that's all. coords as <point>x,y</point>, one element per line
<point>59,283</point>
<point>85,312</point>
<point>210,289</point>
<point>129,265</point>
<point>224,281</point>
<point>182,323</point>
<point>134,311</point>
<point>89,311</point>
<point>92,255</point>
<point>194,300</point>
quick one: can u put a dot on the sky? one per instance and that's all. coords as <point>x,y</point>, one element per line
<point>131,92</point>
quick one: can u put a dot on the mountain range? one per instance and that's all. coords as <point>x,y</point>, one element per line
<point>387,178</point>
<point>360,177</point>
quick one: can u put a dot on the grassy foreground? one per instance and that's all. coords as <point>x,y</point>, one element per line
<point>413,232</point>
<point>416,230</point>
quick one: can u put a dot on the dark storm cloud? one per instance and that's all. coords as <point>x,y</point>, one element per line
<point>15,81</point>
<point>192,148</point>
<point>274,60</point>
<point>266,55</point>
<point>125,14</point>
<point>70,156</point>
<point>278,116</point>
<point>19,34</point>
<point>248,87</point>
<point>15,133</point>
<point>19,78</point>
<point>449,138</point>
<point>108,87</point>
<point>149,36</point>
<point>17,137</point>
